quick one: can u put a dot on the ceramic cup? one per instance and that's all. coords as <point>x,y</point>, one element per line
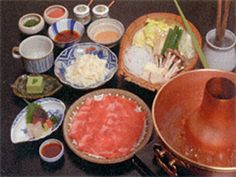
<point>36,53</point>
<point>224,57</point>
<point>82,13</point>
<point>100,11</point>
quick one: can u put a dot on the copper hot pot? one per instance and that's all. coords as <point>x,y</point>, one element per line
<point>194,115</point>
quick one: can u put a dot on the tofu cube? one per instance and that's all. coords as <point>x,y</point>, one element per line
<point>34,85</point>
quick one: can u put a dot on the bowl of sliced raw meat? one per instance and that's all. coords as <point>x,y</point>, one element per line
<point>107,126</point>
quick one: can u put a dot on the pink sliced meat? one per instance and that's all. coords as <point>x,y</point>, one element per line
<point>109,127</point>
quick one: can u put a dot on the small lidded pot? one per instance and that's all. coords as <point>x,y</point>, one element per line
<point>51,150</point>
<point>100,11</point>
<point>82,13</point>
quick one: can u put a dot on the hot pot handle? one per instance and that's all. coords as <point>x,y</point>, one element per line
<point>160,155</point>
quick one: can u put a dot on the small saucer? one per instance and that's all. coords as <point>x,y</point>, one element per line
<point>51,150</point>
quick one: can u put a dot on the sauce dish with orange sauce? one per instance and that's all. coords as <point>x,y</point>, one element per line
<point>106,31</point>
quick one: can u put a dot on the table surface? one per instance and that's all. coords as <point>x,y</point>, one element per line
<point>23,159</point>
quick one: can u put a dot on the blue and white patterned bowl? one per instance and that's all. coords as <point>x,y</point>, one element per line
<point>69,55</point>
<point>64,25</point>
<point>51,106</point>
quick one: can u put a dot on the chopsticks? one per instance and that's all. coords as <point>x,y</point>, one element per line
<point>111,3</point>
<point>90,2</point>
<point>221,23</point>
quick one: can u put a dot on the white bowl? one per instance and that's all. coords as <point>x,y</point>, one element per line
<point>103,25</point>
<point>51,20</point>
<point>33,29</point>
<point>51,159</point>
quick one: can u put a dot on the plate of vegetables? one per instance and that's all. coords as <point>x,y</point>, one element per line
<point>155,48</point>
<point>37,120</point>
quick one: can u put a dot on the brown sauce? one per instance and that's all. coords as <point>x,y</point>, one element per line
<point>66,36</point>
<point>106,36</point>
<point>51,150</point>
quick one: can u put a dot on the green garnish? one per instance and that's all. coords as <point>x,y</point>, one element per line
<point>195,42</point>
<point>172,39</point>
<point>31,22</point>
<point>34,81</point>
<point>30,110</point>
<point>54,119</point>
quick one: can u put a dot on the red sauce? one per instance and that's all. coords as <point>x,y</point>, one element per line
<point>66,36</point>
<point>51,150</point>
<point>56,12</point>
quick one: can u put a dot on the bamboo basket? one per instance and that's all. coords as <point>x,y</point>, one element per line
<point>127,42</point>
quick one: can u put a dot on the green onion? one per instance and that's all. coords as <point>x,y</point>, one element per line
<point>167,41</point>
<point>172,39</point>
<point>178,39</point>
<point>195,42</point>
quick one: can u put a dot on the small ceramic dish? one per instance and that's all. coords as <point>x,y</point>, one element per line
<point>69,55</point>
<point>51,86</point>
<point>51,150</point>
<point>106,31</point>
<point>54,13</point>
<point>52,106</point>
<point>31,23</point>
<point>66,32</point>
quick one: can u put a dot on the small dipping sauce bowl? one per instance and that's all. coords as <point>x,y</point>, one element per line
<point>106,31</point>
<point>66,32</point>
<point>31,23</point>
<point>82,13</point>
<point>55,13</point>
<point>100,11</point>
<point>51,150</point>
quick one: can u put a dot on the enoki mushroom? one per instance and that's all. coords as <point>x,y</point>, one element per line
<point>164,67</point>
<point>173,64</point>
